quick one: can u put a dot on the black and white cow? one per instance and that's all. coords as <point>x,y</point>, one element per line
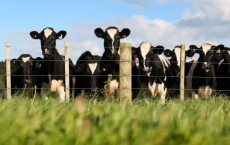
<point>202,71</point>
<point>54,62</point>
<point>109,64</point>
<point>222,68</point>
<point>143,49</point>
<point>88,72</point>
<point>174,57</point>
<point>25,74</point>
<point>136,71</point>
<point>157,67</point>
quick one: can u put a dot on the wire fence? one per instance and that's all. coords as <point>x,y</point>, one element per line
<point>130,75</point>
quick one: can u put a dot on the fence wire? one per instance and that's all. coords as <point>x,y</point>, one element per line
<point>137,88</point>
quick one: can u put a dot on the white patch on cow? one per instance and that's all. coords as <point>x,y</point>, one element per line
<point>113,86</point>
<point>46,51</point>
<point>137,62</point>
<point>47,32</point>
<point>92,67</point>
<point>112,32</point>
<point>145,48</point>
<point>205,91</point>
<point>164,60</point>
<point>156,89</point>
<point>229,52</point>
<point>206,47</point>
<point>196,96</point>
<point>57,85</point>
<point>208,91</point>
<point>165,63</point>
<point>60,37</point>
<point>177,51</point>
<point>220,63</point>
<point>188,85</point>
<point>25,59</point>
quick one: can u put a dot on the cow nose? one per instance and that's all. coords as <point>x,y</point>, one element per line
<point>206,66</point>
<point>46,51</point>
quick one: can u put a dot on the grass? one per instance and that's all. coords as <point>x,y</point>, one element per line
<point>143,122</point>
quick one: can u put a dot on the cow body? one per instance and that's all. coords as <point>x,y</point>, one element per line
<point>223,70</point>
<point>174,57</point>
<point>88,72</point>
<point>54,66</point>
<point>158,69</point>
<point>203,72</point>
<point>109,64</point>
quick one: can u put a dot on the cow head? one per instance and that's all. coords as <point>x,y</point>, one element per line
<point>144,49</point>
<point>206,52</point>
<point>48,39</point>
<point>174,57</point>
<point>24,64</point>
<point>222,56</point>
<point>135,59</point>
<point>112,37</point>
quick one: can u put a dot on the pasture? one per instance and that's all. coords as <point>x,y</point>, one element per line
<point>87,121</point>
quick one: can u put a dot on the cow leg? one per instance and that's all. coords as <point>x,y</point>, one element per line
<point>57,85</point>
<point>163,92</point>
<point>44,90</point>
<point>152,89</point>
<point>113,86</point>
<point>208,91</point>
<point>61,92</point>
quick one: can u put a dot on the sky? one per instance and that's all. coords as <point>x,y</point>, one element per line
<point>162,22</point>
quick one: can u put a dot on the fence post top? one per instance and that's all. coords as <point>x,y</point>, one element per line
<point>66,44</point>
<point>125,44</point>
<point>7,44</point>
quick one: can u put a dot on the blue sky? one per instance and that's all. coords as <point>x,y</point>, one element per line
<point>161,22</point>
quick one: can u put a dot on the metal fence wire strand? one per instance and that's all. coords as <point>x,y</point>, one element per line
<point>120,61</point>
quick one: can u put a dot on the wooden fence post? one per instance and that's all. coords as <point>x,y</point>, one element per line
<point>8,73</point>
<point>67,97</point>
<point>182,71</point>
<point>125,72</point>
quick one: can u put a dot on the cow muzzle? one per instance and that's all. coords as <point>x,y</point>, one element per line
<point>206,66</point>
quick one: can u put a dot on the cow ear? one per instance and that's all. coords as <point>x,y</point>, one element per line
<point>99,33</point>
<point>158,49</point>
<point>124,33</point>
<point>190,53</point>
<point>61,35</point>
<point>194,48</point>
<point>35,35</point>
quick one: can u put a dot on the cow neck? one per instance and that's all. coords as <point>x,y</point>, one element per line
<point>56,66</point>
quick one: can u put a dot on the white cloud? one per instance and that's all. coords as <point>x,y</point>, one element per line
<point>135,2</point>
<point>203,22</point>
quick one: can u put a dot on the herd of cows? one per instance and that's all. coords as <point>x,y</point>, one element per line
<point>154,68</point>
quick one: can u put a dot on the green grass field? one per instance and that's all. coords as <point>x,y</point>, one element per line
<point>86,122</point>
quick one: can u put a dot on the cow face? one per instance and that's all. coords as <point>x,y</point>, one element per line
<point>48,39</point>
<point>25,64</point>
<point>155,58</point>
<point>222,57</point>
<point>112,38</point>
<point>135,59</point>
<point>206,52</point>
<point>144,49</point>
